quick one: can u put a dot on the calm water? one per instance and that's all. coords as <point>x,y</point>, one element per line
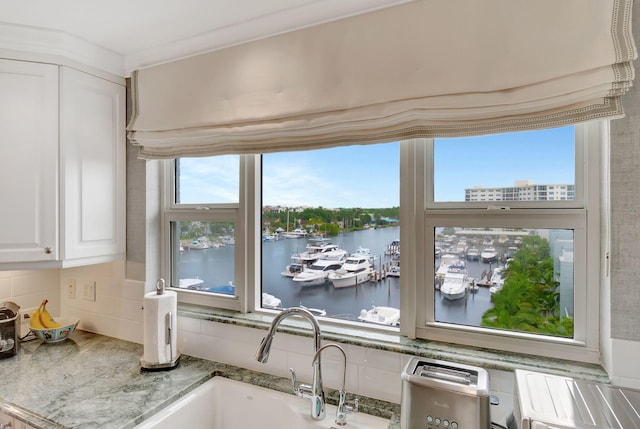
<point>215,267</point>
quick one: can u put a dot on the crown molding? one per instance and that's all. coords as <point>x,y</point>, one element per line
<point>37,44</point>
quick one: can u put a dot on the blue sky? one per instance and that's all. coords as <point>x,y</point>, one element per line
<point>368,176</point>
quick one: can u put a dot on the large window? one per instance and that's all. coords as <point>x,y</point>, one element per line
<point>500,236</point>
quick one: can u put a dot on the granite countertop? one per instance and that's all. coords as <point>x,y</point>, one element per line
<point>94,381</point>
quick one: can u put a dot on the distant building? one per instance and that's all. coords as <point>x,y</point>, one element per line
<point>523,190</point>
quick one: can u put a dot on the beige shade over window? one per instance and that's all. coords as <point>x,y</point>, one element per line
<point>430,68</point>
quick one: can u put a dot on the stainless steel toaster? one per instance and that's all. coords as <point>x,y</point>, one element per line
<point>439,394</point>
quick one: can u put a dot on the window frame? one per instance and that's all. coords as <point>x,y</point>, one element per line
<point>239,214</point>
<point>419,213</point>
<point>581,215</point>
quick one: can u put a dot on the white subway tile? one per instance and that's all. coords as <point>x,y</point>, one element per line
<point>380,384</point>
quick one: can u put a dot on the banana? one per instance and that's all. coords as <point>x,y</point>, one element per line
<point>34,319</point>
<point>41,319</point>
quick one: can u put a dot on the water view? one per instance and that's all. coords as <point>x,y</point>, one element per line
<point>213,266</point>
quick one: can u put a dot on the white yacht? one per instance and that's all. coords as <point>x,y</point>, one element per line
<point>388,316</point>
<point>320,248</point>
<point>356,270</point>
<point>497,281</point>
<point>489,254</point>
<point>296,233</point>
<point>455,284</point>
<point>447,260</point>
<point>271,301</point>
<point>318,272</point>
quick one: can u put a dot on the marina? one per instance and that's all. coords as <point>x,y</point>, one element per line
<point>213,269</point>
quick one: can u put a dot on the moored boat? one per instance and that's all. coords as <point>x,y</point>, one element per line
<point>193,284</point>
<point>446,261</point>
<point>355,270</point>
<point>489,254</point>
<point>318,272</point>
<point>271,301</point>
<point>320,248</point>
<point>388,316</point>
<point>455,284</point>
<point>296,233</point>
<point>473,254</point>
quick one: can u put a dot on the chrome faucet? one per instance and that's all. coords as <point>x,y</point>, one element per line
<point>316,394</point>
<point>341,411</point>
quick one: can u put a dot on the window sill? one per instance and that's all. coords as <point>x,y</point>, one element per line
<point>393,342</point>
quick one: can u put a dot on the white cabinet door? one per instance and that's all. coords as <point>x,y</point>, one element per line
<point>92,143</point>
<point>28,161</point>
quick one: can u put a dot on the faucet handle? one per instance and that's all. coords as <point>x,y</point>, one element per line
<point>354,408</point>
<point>344,409</point>
<point>302,390</point>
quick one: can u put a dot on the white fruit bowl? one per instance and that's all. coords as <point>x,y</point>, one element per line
<point>54,335</point>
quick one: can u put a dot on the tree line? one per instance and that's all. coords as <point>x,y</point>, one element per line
<point>330,221</point>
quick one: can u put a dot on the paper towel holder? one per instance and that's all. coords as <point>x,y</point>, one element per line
<point>164,366</point>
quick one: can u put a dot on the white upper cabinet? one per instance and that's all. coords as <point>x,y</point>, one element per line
<point>28,161</point>
<point>62,174</point>
<point>92,165</point>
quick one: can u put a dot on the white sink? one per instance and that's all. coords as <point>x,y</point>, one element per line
<point>221,403</point>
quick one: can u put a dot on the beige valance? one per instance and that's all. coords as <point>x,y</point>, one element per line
<point>429,68</point>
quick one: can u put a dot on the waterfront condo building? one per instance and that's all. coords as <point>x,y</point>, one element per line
<point>522,190</point>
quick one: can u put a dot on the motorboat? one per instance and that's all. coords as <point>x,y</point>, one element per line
<point>296,233</point>
<point>489,254</point>
<point>315,311</point>
<point>320,248</point>
<point>473,254</point>
<point>356,270</point>
<point>318,272</point>
<point>447,260</point>
<point>455,283</point>
<point>394,270</point>
<point>193,284</point>
<point>364,251</point>
<point>393,249</point>
<point>497,280</point>
<point>271,301</point>
<point>461,248</point>
<point>293,269</point>
<point>388,316</point>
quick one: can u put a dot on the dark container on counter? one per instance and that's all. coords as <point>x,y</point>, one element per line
<point>9,329</point>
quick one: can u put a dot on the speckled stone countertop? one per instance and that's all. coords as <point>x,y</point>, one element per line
<point>93,381</point>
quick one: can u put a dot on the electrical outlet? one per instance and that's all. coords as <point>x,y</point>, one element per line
<point>24,319</point>
<point>89,292</point>
<point>25,313</point>
<point>71,289</point>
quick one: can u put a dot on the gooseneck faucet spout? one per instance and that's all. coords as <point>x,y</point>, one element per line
<point>341,411</point>
<point>262,355</point>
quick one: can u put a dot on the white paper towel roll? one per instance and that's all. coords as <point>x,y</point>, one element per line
<point>160,323</point>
